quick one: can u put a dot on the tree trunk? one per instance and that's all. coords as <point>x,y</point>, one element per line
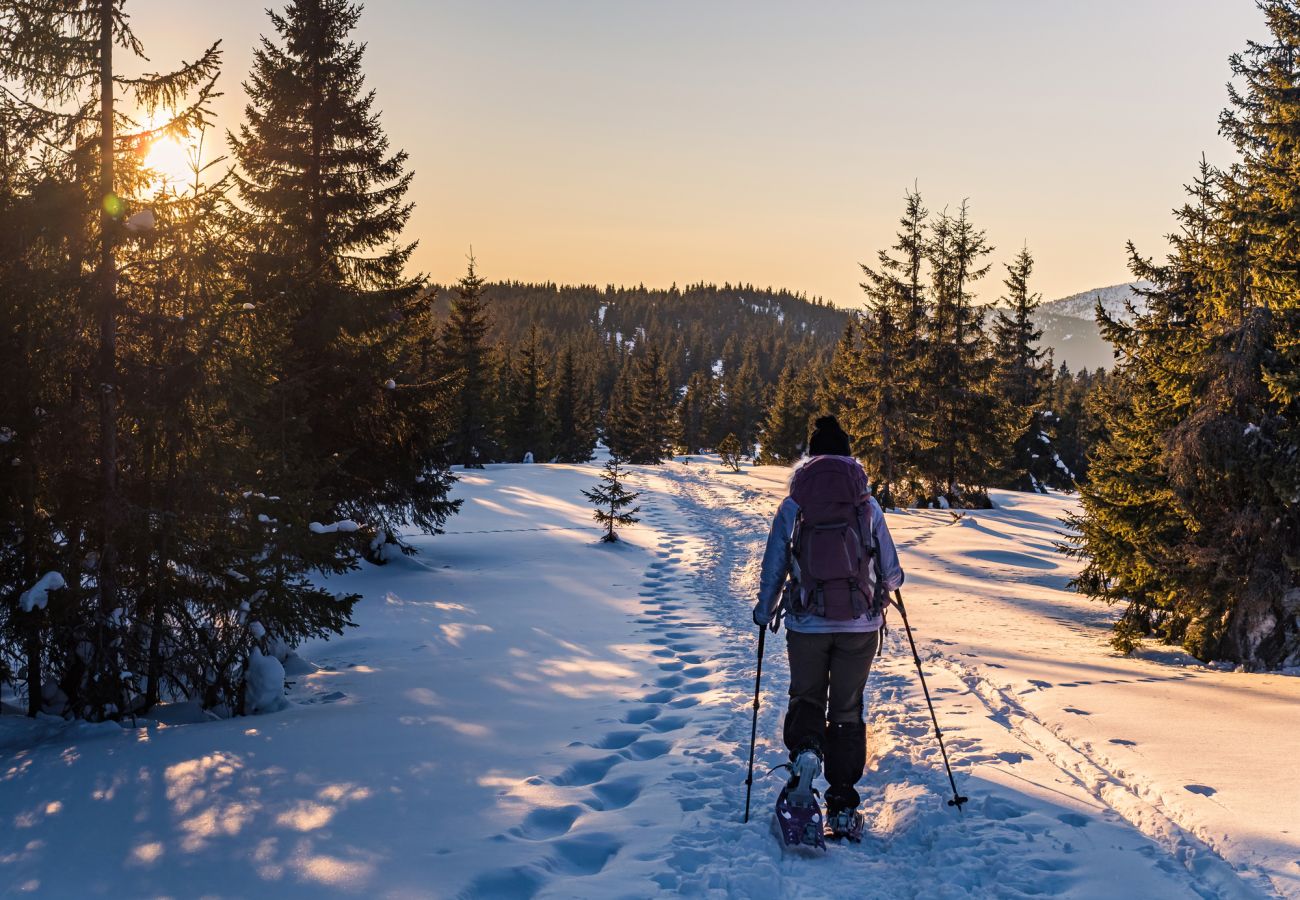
<point>107,323</point>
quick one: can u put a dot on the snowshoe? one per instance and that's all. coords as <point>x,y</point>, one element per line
<point>847,823</point>
<point>798,819</point>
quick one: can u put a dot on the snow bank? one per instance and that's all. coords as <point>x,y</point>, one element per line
<point>264,684</point>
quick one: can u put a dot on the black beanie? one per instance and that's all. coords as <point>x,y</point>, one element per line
<point>828,439</point>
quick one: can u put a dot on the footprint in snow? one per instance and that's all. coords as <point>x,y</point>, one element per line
<point>1073,819</point>
<point>1203,789</point>
<point>668,723</point>
<point>544,824</point>
<point>616,740</point>
<point>648,749</point>
<point>1077,712</point>
<point>1041,685</point>
<point>640,715</point>
<point>586,855</point>
<point>589,771</point>
<point>1123,743</point>
<point>616,794</point>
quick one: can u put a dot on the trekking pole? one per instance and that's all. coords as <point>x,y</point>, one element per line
<point>753,731</point>
<point>957,799</point>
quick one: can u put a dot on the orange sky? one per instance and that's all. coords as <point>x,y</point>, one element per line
<point>638,141</point>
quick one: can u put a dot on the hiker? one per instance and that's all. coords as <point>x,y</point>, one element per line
<point>828,565</point>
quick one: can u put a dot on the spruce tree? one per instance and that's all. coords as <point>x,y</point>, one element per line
<point>63,82</point>
<point>1021,376</point>
<point>466,358</point>
<point>652,410</point>
<point>1202,434</point>
<point>730,451</point>
<point>573,410</point>
<point>526,424</point>
<point>744,400</point>
<point>785,428</point>
<point>353,426</point>
<point>611,498</point>
<point>964,447</point>
<point>697,413</point>
<point>621,431</point>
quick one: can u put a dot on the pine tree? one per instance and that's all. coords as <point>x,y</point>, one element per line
<point>464,348</point>
<point>621,430</point>
<point>526,426</point>
<point>697,414</point>
<point>611,499</point>
<point>62,86</point>
<point>743,400</point>
<point>1021,379</point>
<point>1202,425</point>
<point>652,410</point>
<point>573,411</point>
<point>963,446</point>
<point>352,428</point>
<point>729,450</point>
<point>785,429</point>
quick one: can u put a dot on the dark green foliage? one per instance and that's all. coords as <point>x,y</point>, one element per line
<point>744,401</point>
<point>698,412</point>
<point>573,410</point>
<point>525,420</point>
<point>651,409</point>
<point>730,451</point>
<point>785,428</point>
<point>1190,516</point>
<point>611,499</point>
<point>357,418</point>
<point>465,356</point>
<point>174,432</point>
<point>1021,377</point>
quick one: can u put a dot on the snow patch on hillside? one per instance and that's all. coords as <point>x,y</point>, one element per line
<point>1114,299</point>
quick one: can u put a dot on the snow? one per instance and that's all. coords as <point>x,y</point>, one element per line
<point>523,711</point>
<point>346,525</point>
<point>600,313</point>
<point>717,368</point>
<point>36,596</point>
<point>1114,300</point>
<point>264,688</point>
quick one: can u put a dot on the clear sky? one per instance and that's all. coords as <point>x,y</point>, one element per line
<point>626,141</point>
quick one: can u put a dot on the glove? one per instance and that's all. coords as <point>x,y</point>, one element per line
<point>761,618</point>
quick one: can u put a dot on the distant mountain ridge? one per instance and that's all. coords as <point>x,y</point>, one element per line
<point>1114,299</point>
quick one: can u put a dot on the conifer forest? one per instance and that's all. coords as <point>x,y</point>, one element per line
<point>231,405</point>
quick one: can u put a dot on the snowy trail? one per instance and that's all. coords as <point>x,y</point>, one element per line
<point>525,713</point>
<point>1006,844</point>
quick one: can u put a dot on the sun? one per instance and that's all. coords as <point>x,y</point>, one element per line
<point>170,162</point>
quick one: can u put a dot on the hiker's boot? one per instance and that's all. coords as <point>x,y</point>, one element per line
<point>804,769</point>
<point>844,823</point>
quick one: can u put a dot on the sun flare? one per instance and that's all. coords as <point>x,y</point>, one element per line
<point>170,161</point>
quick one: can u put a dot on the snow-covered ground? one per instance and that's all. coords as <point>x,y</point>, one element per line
<point>524,712</point>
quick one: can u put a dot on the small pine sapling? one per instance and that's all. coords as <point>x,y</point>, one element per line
<point>729,450</point>
<point>610,498</point>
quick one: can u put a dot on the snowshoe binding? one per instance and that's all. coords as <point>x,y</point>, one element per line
<point>798,820</point>
<point>847,823</point>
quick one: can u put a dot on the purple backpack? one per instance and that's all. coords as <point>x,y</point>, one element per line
<point>832,551</point>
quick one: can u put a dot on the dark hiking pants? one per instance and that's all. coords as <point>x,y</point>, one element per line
<point>827,675</point>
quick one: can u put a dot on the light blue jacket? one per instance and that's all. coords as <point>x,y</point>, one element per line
<point>776,567</point>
